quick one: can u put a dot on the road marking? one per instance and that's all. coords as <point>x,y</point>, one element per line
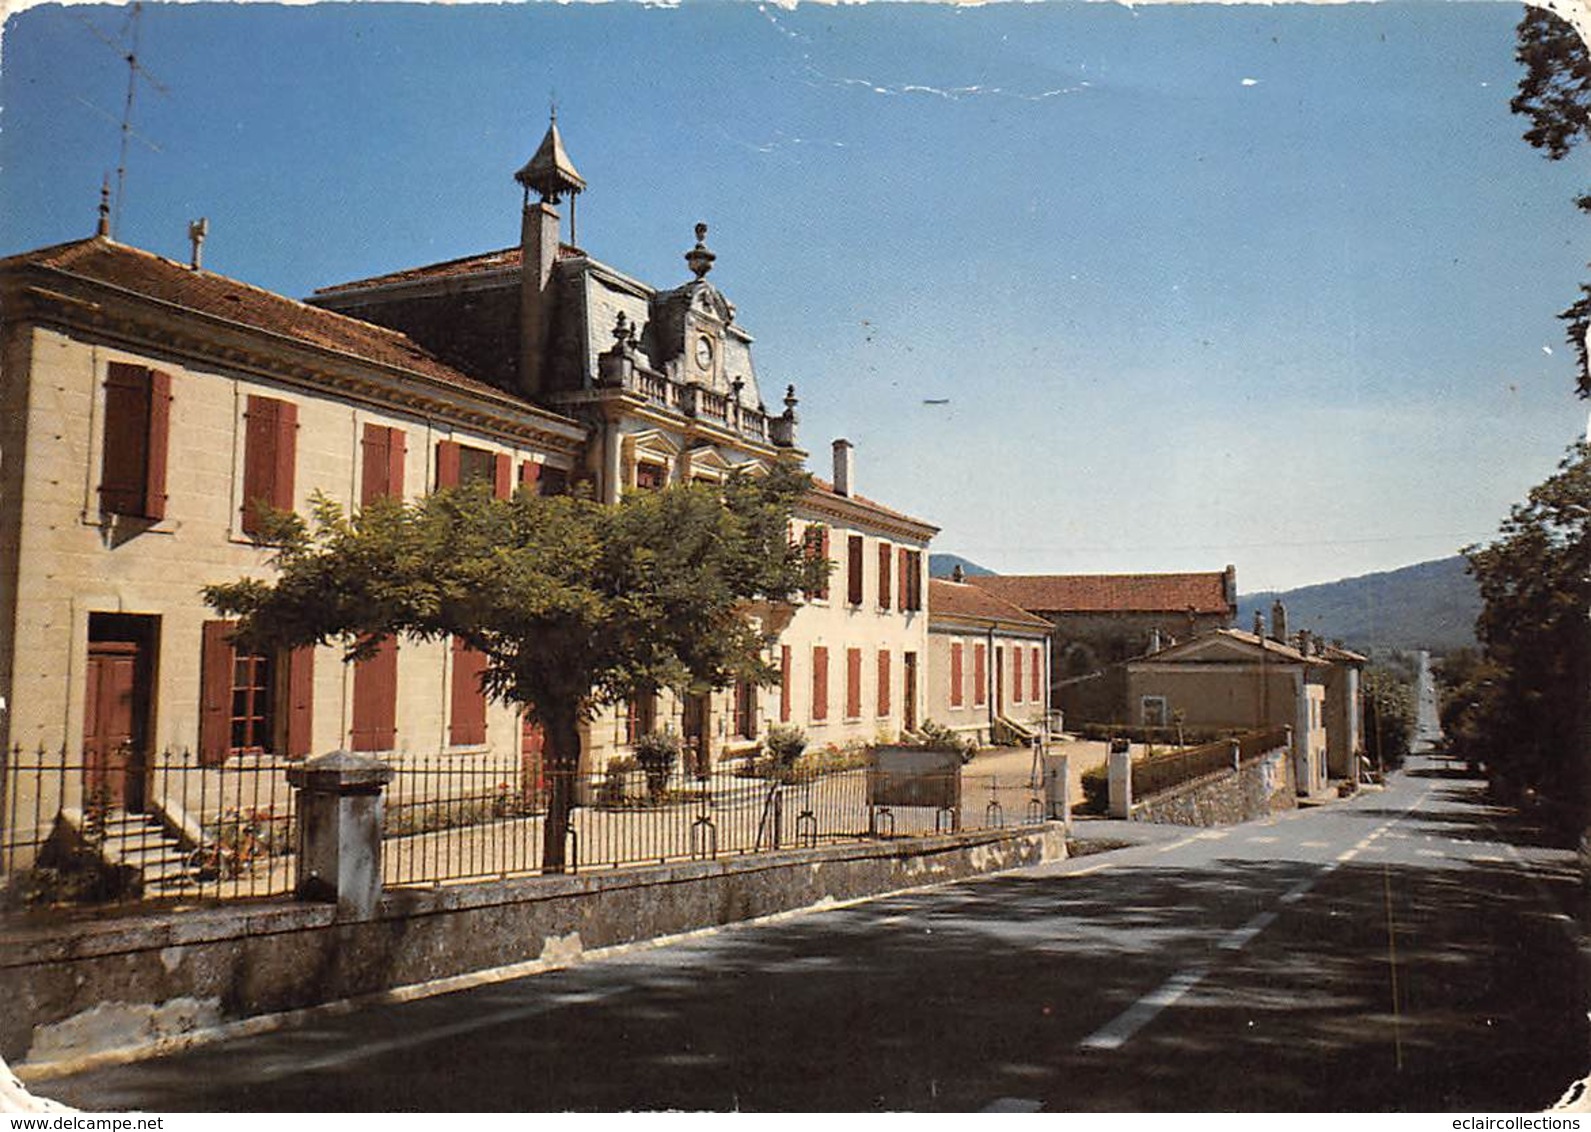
<point>1347,855</point>
<point>1261,840</point>
<point>1237,940</point>
<point>1088,869</point>
<point>1211,835</point>
<point>1120,1030</point>
<point>1014,1104</point>
<point>1296,893</point>
<point>1429,853</point>
<point>1314,845</point>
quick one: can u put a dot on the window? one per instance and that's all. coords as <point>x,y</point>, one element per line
<point>270,450</point>
<point>1016,674</point>
<point>650,477</point>
<point>883,682</point>
<point>553,481</point>
<point>980,675</point>
<point>784,683</point>
<point>853,570</point>
<point>853,683</point>
<point>745,709</point>
<point>640,717</point>
<point>382,474</point>
<point>815,545</point>
<point>137,428</point>
<point>1034,675</point>
<point>375,721</point>
<point>467,719</point>
<point>820,684</point>
<point>252,704</point>
<point>885,560</point>
<point>458,464</point>
<point>955,674</point>
<point>1154,711</point>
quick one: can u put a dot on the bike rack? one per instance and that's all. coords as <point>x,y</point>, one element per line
<point>704,839</point>
<point>947,819</point>
<point>1035,814</point>
<point>873,821</point>
<point>806,830</point>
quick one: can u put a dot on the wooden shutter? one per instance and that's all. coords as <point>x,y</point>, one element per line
<point>980,675</point>
<point>159,434</point>
<point>784,683</point>
<point>1016,674</point>
<point>269,452</point>
<point>823,555</point>
<point>914,580</point>
<point>529,474</point>
<point>820,683</point>
<point>905,581</point>
<point>467,722</point>
<point>376,700</point>
<point>853,683</point>
<point>300,688</point>
<point>215,692</point>
<point>136,438</point>
<point>382,475</point>
<point>1033,674</point>
<point>955,674</point>
<point>883,681</point>
<point>853,570</point>
<point>447,463</point>
<point>885,573</point>
<point>503,479</point>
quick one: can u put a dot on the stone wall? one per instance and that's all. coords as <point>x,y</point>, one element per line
<point>155,979</point>
<point>1260,788</point>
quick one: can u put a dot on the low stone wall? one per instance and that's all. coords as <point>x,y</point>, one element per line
<point>83,987</point>
<point>1259,788</point>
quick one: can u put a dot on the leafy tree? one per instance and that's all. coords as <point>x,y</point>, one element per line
<point>1389,715</point>
<point>1523,710</point>
<point>1555,94</point>
<point>574,604</point>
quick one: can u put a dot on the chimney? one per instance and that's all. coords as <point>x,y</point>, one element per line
<point>1303,641</point>
<point>1229,587</point>
<point>1154,640</point>
<point>957,574</point>
<point>1259,624</point>
<point>1278,621</point>
<point>197,231</point>
<point>844,466</point>
<point>550,175</point>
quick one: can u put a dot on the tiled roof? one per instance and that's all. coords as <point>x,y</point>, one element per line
<point>504,259</point>
<point>144,273</point>
<point>955,599</point>
<point>824,487</point>
<point>1110,593</point>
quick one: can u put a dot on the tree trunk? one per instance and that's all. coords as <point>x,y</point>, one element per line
<point>563,764</point>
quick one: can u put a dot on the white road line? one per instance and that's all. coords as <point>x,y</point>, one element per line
<point>1120,1030</point>
<point>1314,845</point>
<point>1013,1104</point>
<point>1429,853</point>
<point>1296,893</point>
<point>1261,840</point>
<point>1237,940</point>
<point>1088,869</point>
<point>1347,855</point>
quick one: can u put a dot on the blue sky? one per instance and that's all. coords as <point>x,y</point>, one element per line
<point>1266,285</point>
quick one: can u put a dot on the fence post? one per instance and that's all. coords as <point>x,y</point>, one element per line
<point>339,831</point>
<point>1120,778</point>
<point>1058,789</point>
<point>1237,753</point>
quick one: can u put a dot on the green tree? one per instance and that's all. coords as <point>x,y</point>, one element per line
<point>574,604</point>
<point>1555,94</point>
<point>1523,711</point>
<point>1389,715</point>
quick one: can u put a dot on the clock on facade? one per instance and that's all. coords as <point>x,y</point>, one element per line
<point>704,352</point>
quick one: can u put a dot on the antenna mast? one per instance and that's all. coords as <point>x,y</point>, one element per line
<point>126,45</point>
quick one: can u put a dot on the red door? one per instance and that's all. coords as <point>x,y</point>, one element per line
<point>110,763</point>
<point>532,741</point>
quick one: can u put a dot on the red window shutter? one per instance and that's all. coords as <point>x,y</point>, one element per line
<point>384,452</point>
<point>376,700</point>
<point>885,573</point>
<point>905,580</point>
<point>126,479</point>
<point>1033,675</point>
<point>980,675</point>
<point>300,702</point>
<point>820,683</point>
<point>853,570</point>
<point>286,452</point>
<point>159,439</point>
<point>823,555</point>
<point>914,583</point>
<point>883,681</point>
<point>529,473</point>
<point>468,717</point>
<point>447,463</point>
<point>268,444</point>
<point>955,675</point>
<point>503,481</point>
<point>853,683</point>
<point>1016,674</point>
<point>784,683</point>
<point>215,692</point>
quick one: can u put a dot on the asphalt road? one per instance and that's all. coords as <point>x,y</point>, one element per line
<point>1410,949</point>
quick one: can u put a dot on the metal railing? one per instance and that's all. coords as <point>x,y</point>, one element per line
<point>133,825</point>
<point>1163,772</point>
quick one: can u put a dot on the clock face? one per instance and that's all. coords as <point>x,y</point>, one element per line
<point>704,351</point>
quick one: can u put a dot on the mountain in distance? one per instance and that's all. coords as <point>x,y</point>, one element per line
<point>940,565</point>
<point>1430,605</point>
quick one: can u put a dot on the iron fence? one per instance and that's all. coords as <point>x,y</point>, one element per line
<point>130,825</point>
<point>1162,772</point>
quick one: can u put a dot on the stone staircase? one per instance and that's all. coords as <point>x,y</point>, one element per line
<point>140,844</point>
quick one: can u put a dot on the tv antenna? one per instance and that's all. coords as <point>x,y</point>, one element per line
<point>126,45</point>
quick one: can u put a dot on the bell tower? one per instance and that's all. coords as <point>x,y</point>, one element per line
<point>549,174</point>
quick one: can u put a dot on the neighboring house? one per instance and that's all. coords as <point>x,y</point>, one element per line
<point>1345,728</point>
<point>1228,678</point>
<point>147,406</point>
<point>1103,620</point>
<point>987,661</point>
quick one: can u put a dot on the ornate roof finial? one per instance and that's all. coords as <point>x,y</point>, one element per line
<point>103,228</point>
<point>550,172</point>
<point>699,259</point>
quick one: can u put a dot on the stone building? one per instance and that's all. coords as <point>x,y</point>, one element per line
<point>146,405</point>
<point>1102,620</point>
<point>988,662</point>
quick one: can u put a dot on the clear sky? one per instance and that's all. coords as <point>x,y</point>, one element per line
<point>1266,285</point>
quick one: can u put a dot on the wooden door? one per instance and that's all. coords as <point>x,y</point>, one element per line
<point>693,729</point>
<point>111,765</point>
<point>532,744</point>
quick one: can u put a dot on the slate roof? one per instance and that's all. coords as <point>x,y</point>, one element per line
<point>1110,593</point>
<point>143,273</point>
<point>957,599</point>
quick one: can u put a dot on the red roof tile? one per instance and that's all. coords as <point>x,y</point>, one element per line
<point>1110,593</point>
<point>144,273</point>
<point>826,488</point>
<point>960,600</point>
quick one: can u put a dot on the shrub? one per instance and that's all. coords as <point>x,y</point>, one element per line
<point>932,736</point>
<point>1096,790</point>
<point>784,744</point>
<point>610,791</point>
<point>656,753</point>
